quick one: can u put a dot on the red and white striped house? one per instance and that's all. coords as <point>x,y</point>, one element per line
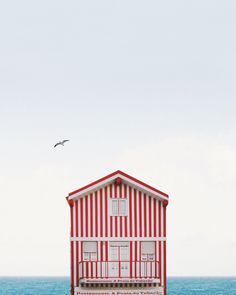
<point>118,237</point>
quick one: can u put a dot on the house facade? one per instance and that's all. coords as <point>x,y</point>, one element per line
<point>118,237</point>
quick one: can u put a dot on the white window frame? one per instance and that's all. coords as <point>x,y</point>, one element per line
<point>118,200</point>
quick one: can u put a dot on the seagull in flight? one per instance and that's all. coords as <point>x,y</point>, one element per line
<point>61,142</point>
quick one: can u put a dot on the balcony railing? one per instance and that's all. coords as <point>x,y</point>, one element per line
<point>118,269</point>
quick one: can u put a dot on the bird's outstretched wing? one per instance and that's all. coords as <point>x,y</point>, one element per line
<point>57,144</point>
<point>61,142</point>
<point>65,140</point>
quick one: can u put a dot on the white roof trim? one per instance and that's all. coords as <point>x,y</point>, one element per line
<point>110,179</point>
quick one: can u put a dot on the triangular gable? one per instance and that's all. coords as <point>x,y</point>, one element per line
<point>111,178</point>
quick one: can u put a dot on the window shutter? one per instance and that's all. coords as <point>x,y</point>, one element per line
<point>122,207</point>
<point>114,207</point>
<point>148,248</point>
<point>89,246</point>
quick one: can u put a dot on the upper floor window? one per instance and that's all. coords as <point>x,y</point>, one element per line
<point>89,251</point>
<point>148,251</point>
<point>118,207</point>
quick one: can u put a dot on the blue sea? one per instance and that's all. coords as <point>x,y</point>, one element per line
<point>61,285</point>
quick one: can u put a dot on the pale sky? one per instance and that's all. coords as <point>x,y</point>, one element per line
<point>147,87</point>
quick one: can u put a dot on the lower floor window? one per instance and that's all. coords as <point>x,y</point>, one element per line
<point>89,251</point>
<point>148,251</point>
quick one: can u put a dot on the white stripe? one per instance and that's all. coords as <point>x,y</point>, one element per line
<point>157,218</point>
<point>123,225</point>
<point>98,249</point>
<point>98,268</point>
<point>157,258</point>
<point>152,219</point>
<point>80,251</point>
<point>113,218</point>
<point>138,259</point>
<point>161,234</point>
<point>88,213</point>
<point>137,213</point>
<point>98,210</point>
<point>147,214</point>
<point>78,206</point>
<point>132,208</point>
<point>123,217</point>
<point>108,210</point>
<point>128,216</point>
<point>84,219</point>
<point>94,219</point>
<point>118,218</point>
<point>142,213</point>
<point>162,263</point>
<point>103,213</point>
<point>104,251</point>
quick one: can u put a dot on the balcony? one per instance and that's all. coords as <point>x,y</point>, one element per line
<point>119,272</point>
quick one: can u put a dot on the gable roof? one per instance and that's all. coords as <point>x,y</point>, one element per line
<point>110,178</point>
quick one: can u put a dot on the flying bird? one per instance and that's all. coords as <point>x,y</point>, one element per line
<point>61,142</point>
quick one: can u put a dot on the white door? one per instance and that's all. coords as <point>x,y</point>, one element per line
<point>119,259</point>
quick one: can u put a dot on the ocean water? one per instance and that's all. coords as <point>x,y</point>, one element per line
<point>61,285</point>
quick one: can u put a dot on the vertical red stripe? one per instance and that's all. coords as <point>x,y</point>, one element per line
<point>140,259</point>
<point>106,250</point>
<point>86,215</point>
<point>82,250</point>
<point>97,260</point>
<point>72,248</point>
<point>77,244</point>
<point>160,233</point>
<point>96,214</point>
<point>71,222</point>
<point>126,221</point>
<point>164,274</point>
<point>145,214</point>
<point>130,211</point>
<point>91,214</point>
<point>111,218</point>
<point>121,226</point>
<point>160,254</point>
<point>131,259</point>
<point>82,216</point>
<point>106,212</point>
<point>72,264</point>
<point>150,216</point>
<point>101,250</point>
<point>101,213</point>
<point>135,213</point>
<point>164,220</point>
<point>76,219</point>
<point>155,218</point>
<point>116,218</point>
<point>87,269</point>
<point>140,215</point>
<point>135,257</point>
<point>77,263</point>
<point>164,254</point>
<point>159,218</point>
<point>155,259</point>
